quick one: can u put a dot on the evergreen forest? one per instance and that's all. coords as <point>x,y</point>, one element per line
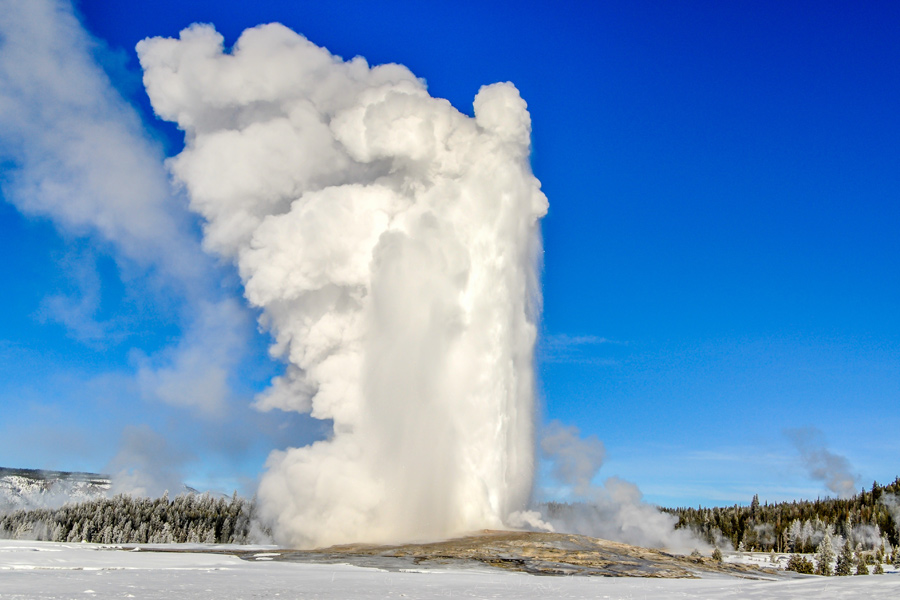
<point>122,519</point>
<point>869,519</point>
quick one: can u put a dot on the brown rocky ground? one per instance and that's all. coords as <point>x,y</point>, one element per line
<point>530,552</point>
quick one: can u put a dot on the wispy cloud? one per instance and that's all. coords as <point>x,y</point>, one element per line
<point>583,349</point>
<point>76,309</point>
<point>737,455</point>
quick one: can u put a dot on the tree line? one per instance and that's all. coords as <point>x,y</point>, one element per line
<point>122,519</point>
<point>868,520</point>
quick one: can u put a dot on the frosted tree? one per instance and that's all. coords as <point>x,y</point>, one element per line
<point>806,534</point>
<point>825,555</point>
<point>794,533</point>
<point>848,530</point>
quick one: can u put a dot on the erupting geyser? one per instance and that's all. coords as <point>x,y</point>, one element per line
<point>393,246</point>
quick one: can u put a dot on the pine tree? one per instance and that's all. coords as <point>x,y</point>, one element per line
<point>845,561</point>
<point>799,564</point>
<point>825,555</point>
<point>793,535</point>
<point>210,536</point>
<point>806,534</point>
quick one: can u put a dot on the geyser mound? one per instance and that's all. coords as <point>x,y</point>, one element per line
<point>392,244</point>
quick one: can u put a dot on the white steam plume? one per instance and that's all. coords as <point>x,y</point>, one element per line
<point>393,246</point>
<point>146,464</point>
<point>80,153</point>
<point>77,154</point>
<point>73,151</point>
<point>892,502</point>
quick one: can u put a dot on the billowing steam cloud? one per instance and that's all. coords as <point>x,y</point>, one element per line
<point>832,469</point>
<point>613,510</point>
<point>393,246</point>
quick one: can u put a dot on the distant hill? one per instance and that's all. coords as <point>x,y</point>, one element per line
<point>33,488</point>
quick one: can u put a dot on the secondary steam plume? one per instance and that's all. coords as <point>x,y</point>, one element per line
<point>832,469</point>
<point>392,244</point>
<point>613,510</point>
<point>575,460</point>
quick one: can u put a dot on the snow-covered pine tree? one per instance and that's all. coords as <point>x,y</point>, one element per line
<point>793,536</point>
<point>825,555</point>
<point>806,535</point>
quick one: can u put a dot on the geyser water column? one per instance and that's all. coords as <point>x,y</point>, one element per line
<point>393,246</point>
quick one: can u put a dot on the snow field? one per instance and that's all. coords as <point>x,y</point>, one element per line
<point>47,570</point>
<point>763,560</point>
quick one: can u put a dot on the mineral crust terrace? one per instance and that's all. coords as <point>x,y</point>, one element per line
<point>528,552</point>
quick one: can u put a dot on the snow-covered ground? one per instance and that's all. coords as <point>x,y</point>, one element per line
<point>54,570</point>
<point>764,560</point>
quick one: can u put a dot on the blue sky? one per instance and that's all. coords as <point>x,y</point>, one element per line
<point>721,250</point>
